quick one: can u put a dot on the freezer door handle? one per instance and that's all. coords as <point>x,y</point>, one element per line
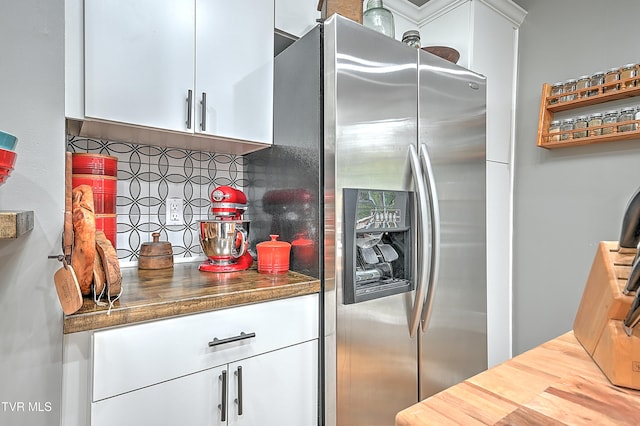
<point>434,213</point>
<point>421,194</point>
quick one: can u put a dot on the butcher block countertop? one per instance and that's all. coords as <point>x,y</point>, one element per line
<point>183,289</point>
<point>556,383</point>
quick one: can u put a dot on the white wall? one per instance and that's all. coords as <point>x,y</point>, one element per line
<point>32,108</point>
<point>566,200</point>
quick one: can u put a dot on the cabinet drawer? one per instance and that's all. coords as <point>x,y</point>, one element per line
<point>132,357</point>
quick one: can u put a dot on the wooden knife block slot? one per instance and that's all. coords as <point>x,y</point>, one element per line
<point>598,325</point>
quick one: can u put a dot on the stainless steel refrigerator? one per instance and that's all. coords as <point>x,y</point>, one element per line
<point>378,169</point>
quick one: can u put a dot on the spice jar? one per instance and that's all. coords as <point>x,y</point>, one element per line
<point>610,117</point>
<point>556,90</point>
<point>554,131</point>
<point>581,85</point>
<point>412,38</point>
<point>628,71</point>
<point>611,76</point>
<point>637,115</point>
<point>569,86</point>
<point>595,119</point>
<point>596,80</point>
<point>627,114</point>
<point>580,123</point>
<point>566,126</point>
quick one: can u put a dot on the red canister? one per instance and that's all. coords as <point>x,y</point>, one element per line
<point>273,256</point>
<point>104,191</point>
<point>94,164</point>
<point>107,223</point>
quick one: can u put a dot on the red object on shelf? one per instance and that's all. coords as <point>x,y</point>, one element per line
<point>7,158</point>
<point>94,164</point>
<point>273,256</point>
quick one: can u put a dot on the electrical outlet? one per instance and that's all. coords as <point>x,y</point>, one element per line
<point>174,211</point>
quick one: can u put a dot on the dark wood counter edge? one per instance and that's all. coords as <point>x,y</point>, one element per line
<point>169,309</point>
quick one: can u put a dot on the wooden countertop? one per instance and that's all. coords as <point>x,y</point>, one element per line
<point>183,289</point>
<point>556,383</point>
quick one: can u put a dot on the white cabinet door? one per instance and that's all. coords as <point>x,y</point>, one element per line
<point>190,400</point>
<point>234,69</point>
<point>278,388</point>
<point>139,61</point>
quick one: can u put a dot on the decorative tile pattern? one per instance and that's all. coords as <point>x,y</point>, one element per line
<point>147,176</point>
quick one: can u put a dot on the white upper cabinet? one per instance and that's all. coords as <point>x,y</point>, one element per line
<point>296,17</point>
<point>181,65</point>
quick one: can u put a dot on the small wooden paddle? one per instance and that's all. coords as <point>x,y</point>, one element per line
<point>68,289</point>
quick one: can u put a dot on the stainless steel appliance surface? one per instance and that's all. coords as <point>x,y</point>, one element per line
<point>387,144</point>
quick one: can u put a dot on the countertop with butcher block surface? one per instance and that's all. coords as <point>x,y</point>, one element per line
<point>556,383</point>
<point>183,289</point>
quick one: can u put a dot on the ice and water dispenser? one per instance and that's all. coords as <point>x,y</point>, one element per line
<point>378,245</point>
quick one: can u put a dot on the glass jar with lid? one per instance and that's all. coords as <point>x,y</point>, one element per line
<point>596,80</point>
<point>379,18</point>
<point>627,114</point>
<point>566,126</point>
<point>569,86</point>
<point>581,85</point>
<point>554,131</point>
<point>611,76</point>
<point>595,120</point>
<point>610,117</point>
<point>581,125</point>
<point>412,38</point>
<point>556,90</point>
<point>626,72</point>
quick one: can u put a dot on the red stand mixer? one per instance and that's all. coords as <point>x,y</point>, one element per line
<point>224,239</point>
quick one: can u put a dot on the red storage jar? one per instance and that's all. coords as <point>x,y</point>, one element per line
<point>273,256</point>
<point>108,224</point>
<point>104,191</point>
<point>94,164</point>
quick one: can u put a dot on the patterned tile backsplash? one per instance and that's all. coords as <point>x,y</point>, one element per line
<point>147,176</point>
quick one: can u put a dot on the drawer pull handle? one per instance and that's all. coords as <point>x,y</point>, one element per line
<point>223,405</point>
<point>242,336</point>
<point>238,400</point>
<point>189,103</point>
<point>203,121</point>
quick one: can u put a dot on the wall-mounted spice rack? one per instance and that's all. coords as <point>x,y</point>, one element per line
<point>549,105</point>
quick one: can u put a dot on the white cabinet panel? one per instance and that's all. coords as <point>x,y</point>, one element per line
<point>451,28</point>
<point>132,357</point>
<point>191,400</point>
<point>278,388</point>
<point>151,63</point>
<point>139,61</point>
<point>234,68</point>
<point>493,33</point>
<point>498,262</point>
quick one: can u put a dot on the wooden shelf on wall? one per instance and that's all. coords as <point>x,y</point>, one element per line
<point>552,104</point>
<point>15,223</point>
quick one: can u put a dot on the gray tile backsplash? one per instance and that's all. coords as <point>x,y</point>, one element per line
<point>147,176</point>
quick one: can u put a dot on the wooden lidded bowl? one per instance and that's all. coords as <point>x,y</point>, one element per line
<point>156,254</point>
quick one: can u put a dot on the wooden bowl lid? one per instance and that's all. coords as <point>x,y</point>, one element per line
<point>448,53</point>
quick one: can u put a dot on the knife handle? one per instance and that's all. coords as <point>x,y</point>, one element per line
<point>630,231</point>
<point>633,282</point>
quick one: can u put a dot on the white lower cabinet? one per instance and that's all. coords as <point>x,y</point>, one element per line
<point>276,388</point>
<point>248,365</point>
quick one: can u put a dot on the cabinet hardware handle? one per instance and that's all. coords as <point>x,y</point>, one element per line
<point>223,405</point>
<point>189,102</point>
<point>203,102</point>
<point>241,336</point>
<point>238,400</point>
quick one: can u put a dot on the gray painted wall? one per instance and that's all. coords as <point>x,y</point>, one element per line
<point>567,200</point>
<point>32,108</point>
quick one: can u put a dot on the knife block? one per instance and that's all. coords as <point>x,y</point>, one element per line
<point>598,325</point>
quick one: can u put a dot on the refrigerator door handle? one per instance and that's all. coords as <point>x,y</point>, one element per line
<point>421,193</point>
<point>434,213</point>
